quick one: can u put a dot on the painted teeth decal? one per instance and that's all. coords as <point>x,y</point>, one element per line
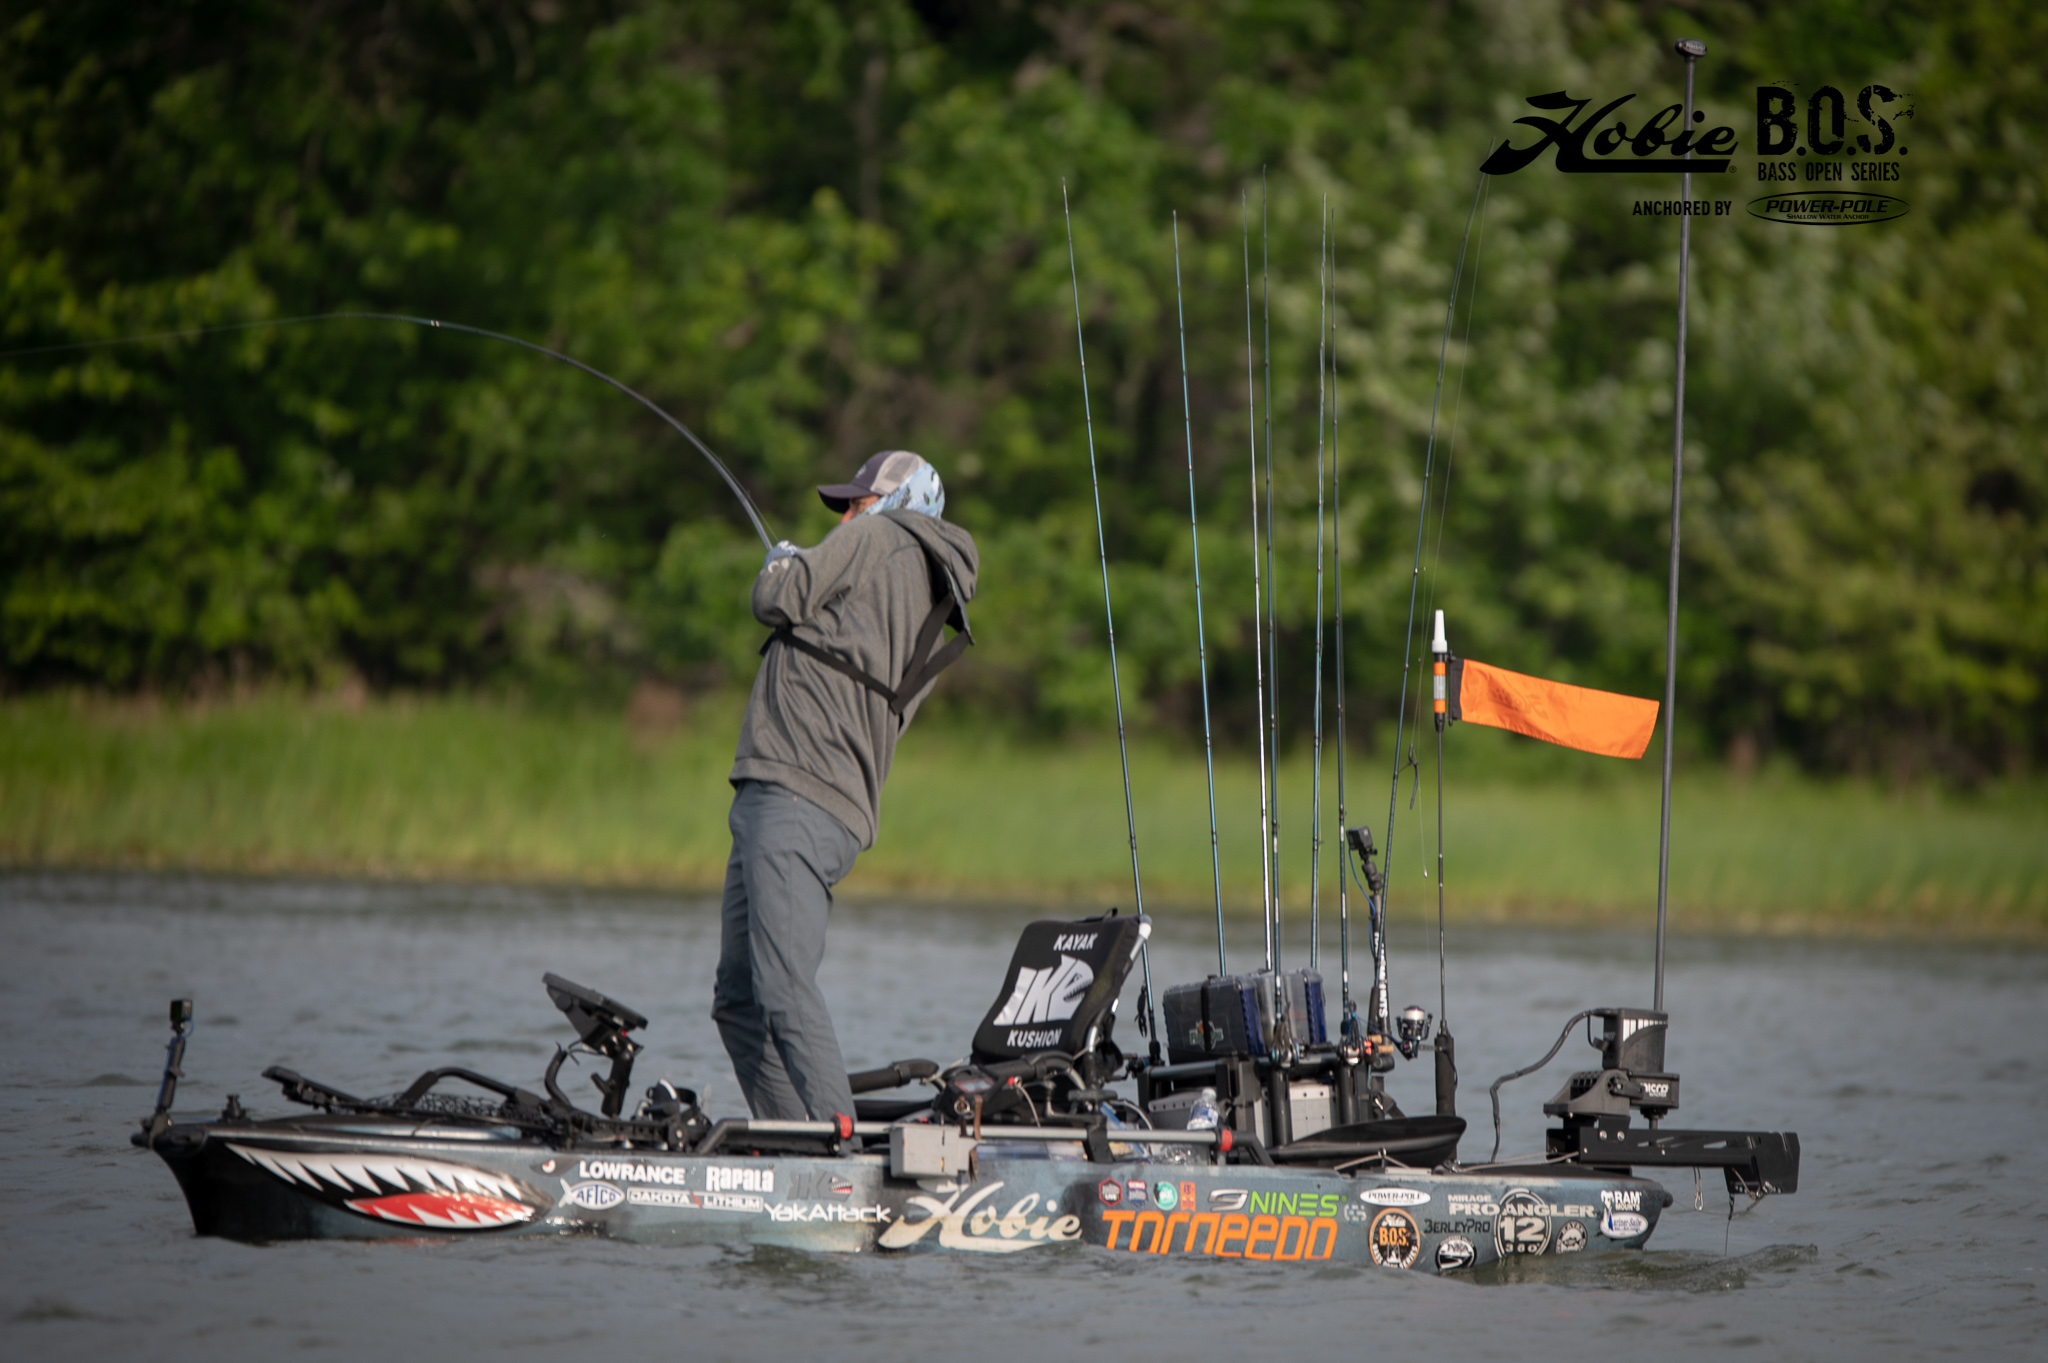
<point>444,1211</point>
<point>413,1192</point>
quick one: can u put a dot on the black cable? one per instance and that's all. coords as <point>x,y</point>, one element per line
<point>1493,1092</point>
<point>746,502</point>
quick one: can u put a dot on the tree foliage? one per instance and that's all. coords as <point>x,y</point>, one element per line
<point>814,230</point>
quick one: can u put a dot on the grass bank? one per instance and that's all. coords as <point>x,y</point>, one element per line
<point>473,788</point>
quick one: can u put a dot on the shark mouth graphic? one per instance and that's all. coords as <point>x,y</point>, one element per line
<point>411,1192</point>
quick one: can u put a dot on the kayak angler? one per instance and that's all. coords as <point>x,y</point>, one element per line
<point>858,619</point>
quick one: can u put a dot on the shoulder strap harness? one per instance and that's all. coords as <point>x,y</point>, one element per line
<point>928,658</point>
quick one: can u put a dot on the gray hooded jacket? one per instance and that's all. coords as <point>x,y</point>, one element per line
<point>861,594</point>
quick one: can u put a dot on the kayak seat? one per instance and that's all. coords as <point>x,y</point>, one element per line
<point>1061,989</point>
<point>1048,1031</point>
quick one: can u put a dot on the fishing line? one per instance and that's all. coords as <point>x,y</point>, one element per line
<point>1435,563</point>
<point>1315,839</point>
<point>1109,616</point>
<point>1251,396</point>
<point>432,324</point>
<point>1443,503</point>
<point>1201,640</point>
<point>1443,513</point>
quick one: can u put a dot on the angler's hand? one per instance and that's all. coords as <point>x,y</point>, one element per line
<point>781,550</point>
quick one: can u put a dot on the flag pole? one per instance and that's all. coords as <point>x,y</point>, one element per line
<point>1692,49</point>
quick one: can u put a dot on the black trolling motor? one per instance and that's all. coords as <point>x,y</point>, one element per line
<point>1595,1107</point>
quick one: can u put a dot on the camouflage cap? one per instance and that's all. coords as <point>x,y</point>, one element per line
<point>881,475</point>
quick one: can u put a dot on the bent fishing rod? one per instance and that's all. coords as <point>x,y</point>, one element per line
<point>430,324</point>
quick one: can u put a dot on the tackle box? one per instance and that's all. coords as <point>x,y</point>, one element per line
<point>1233,1015</point>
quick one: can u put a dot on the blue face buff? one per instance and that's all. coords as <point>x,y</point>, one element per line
<point>921,492</point>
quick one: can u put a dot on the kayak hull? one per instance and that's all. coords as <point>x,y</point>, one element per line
<point>336,1178</point>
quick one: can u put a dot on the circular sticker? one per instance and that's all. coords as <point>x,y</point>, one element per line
<point>1455,1253</point>
<point>1110,1191</point>
<point>1166,1196</point>
<point>1571,1238</point>
<point>594,1196</point>
<point>1394,1239</point>
<point>1523,1226</point>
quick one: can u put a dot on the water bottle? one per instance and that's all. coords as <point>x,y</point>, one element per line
<point>1203,1116</point>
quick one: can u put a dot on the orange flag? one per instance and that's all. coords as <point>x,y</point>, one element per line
<point>1570,716</point>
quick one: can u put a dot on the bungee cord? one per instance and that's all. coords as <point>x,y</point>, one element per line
<point>430,324</point>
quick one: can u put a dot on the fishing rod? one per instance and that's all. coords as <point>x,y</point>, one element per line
<point>1348,1011</point>
<point>1146,1022</point>
<point>1692,49</point>
<point>1272,579</point>
<point>1251,397</point>
<point>1380,1009</point>
<point>1201,641</point>
<point>1315,838</point>
<point>1446,1044</point>
<point>433,324</point>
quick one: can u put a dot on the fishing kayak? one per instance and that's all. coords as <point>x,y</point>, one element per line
<point>343,1176</point>
<point>1032,1143</point>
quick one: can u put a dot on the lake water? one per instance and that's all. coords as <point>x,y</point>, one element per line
<point>1914,1075</point>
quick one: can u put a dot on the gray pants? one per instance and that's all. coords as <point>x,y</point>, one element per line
<point>787,854</point>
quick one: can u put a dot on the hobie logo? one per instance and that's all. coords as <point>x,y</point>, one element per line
<point>1569,134</point>
<point>1048,995</point>
<point>981,1229</point>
